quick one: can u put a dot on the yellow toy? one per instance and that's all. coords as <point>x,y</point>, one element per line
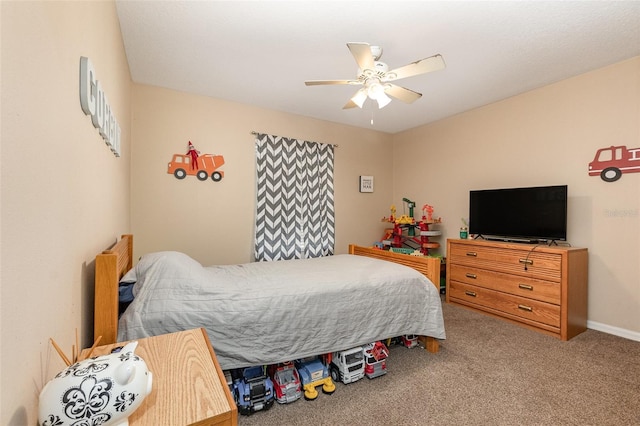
<point>397,237</point>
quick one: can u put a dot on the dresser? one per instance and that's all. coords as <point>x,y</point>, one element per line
<point>188,387</point>
<point>540,287</point>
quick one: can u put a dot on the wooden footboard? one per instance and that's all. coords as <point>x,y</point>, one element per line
<point>428,266</point>
<point>111,265</point>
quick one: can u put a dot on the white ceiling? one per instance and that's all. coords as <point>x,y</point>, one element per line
<point>261,52</point>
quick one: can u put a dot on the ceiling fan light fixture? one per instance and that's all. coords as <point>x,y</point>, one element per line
<point>383,100</point>
<point>359,97</point>
<point>374,89</point>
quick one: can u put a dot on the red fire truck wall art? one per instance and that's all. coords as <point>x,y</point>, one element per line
<point>611,162</point>
<point>193,163</point>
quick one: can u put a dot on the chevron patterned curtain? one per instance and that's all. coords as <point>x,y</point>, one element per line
<point>295,217</point>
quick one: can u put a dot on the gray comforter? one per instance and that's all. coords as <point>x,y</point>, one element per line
<point>269,312</point>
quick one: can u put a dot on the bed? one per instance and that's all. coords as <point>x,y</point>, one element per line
<point>312,306</point>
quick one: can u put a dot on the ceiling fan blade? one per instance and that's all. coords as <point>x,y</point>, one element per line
<point>357,100</point>
<point>405,95</point>
<point>362,54</point>
<point>432,63</point>
<point>323,82</point>
<point>350,104</point>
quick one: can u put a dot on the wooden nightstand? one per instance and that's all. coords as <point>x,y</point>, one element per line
<point>189,387</point>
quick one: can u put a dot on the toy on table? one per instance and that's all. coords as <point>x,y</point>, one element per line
<point>392,216</point>
<point>410,205</point>
<point>427,212</point>
<point>396,237</point>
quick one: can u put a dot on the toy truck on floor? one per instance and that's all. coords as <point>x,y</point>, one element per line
<point>286,382</point>
<point>253,391</point>
<point>347,366</point>
<point>375,358</point>
<point>206,165</point>
<point>409,340</point>
<point>313,373</point>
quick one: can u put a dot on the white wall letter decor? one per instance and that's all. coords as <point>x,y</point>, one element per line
<point>94,102</point>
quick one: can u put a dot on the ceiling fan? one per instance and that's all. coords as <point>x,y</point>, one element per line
<point>376,78</point>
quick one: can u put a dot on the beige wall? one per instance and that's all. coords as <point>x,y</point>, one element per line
<point>65,196</point>
<point>213,222</point>
<point>545,137</point>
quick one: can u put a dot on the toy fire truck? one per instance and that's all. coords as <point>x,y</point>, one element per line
<point>375,359</point>
<point>286,382</point>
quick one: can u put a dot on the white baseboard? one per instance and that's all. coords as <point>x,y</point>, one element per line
<point>616,331</point>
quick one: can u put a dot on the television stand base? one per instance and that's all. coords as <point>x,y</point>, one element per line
<point>511,239</point>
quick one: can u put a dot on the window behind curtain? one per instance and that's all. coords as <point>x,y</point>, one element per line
<point>295,216</point>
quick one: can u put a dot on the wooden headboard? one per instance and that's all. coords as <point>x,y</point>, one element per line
<point>427,266</point>
<point>111,265</point>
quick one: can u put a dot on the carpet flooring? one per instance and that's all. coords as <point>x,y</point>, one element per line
<point>488,372</point>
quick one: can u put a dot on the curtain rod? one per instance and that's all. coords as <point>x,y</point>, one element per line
<point>253,132</point>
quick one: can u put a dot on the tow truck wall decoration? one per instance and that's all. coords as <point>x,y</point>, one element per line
<point>193,163</point>
<point>611,162</point>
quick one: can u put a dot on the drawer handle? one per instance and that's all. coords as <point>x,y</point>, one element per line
<point>526,261</point>
<point>469,275</point>
<point>472,253</point>
<point>525,308</point>
<point>470,293</point>
<point>525,287</point>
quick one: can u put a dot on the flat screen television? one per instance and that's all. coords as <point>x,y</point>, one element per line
<point>531,214</point>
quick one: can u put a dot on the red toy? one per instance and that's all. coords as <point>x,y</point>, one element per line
<point>286,382</point>
<point>375,357</point>
<point>194,153</point>
<point>410,340</point>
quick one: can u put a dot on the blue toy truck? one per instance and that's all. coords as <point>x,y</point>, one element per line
<point>314,373</point>
<point>253,391</point>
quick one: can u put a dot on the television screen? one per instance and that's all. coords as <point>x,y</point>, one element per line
<point>535,213</point>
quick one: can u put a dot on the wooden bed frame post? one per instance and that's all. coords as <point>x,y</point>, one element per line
<point>427,266</point>
<point>110,266</point>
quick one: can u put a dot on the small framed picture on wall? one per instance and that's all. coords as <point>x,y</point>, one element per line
<point>366,183</point>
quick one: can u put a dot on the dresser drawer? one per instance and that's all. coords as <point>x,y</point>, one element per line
<point>541,287</point>
<point>532,288</point>
<point>523,262</point>
<point>512,305</point>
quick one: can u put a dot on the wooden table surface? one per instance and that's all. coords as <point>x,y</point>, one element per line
<point>188,387</point>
